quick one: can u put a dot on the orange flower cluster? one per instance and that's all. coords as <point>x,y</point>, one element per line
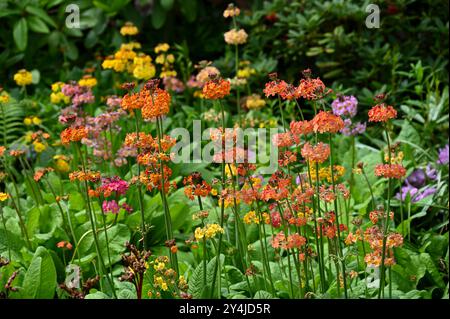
<point>196,186</point>
<point>382,113</point>
<point>153,102</point>
<point>285,139</point>
<point>152,178</point>
<point>148,142</point>
<point>375,215</point>
<point>216,89</point>
<point>64,244</point>
<point>312,89</point>
<point>327,122</point>
<point>40,173</point>
<point>301,127</point>
<point>328,225</point>
<point>374,237</point>
<point>316,154</point>
<point>295,240</point>
<point>275,87</point>
<point>390,170</point>
<point>73,134</point>
<point>82,176</point>
<point>278,187</point>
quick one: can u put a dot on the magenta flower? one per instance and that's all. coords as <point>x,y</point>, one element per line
<point>110,206</point>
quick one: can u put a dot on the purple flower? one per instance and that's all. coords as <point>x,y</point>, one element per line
<point>353,128</point>
<point>110,206</point>
<point>431,172</point>
<point>416,178</point>
<point>424,193</point>
<point>407,189</point>
<point>443,155</point>
<point>345,106</point>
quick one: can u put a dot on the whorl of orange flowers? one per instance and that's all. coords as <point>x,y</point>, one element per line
<point>73,134</point>
<point>90,176</point>
<point>301,127</point>
<point>382,113</point>
<point>156,103</point>
<point>326,122</point>
<point>216,89</point>
<point>390,170</point>
<point>316,154</point>
<point>131,101</point>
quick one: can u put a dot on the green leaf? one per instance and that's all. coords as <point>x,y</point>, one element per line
<point>158,16</point>
<point>97,295</point>
<point>189,9</point>
<point>262,294</point>
<point>37,25</point>
<point>40,278</point>
<point>76,201</point>
<point>35,76</point>
<point>196,286</point>
<point>41,14</point>
<point>20,34</point>
<point>167,4</point>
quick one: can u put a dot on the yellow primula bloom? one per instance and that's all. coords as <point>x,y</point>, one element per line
<point>28,121</point>
<point>129,29</point>
<point>232,172</point>
<point>245,72</point>
<point>4,97</point>
<point>23,77</point>
<point>39,147</point>
<point>168,73</point>
<point>130,46</point>
<point>209,231</point>
<point>57,86</point>
<point>36,120</point>
<point>144,71</point>
<point>254,102</point>
<point>162,47</point>
<point>3,196</point>
<point>62,166</point>
<point>88,81</point>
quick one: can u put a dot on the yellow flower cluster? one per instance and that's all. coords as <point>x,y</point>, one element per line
<point>4,97</point>
<point>88,81</point>
<point>325,173</point>
<point>245,71</point>
<point>32,120</point>
<point>166,60</point>
<point>236,37</point>
<point>143,68</point>
<point>3,196</point>
<point>127,60</point>
<point>39,147</point>
<point>23,77</point>
<point>57,96</point>
<point>254,102</point>
<point>252,218</point>
<point>207,232</point>
<point>232,172</point>
<point>61,164</point>
<point>129,29</point>
<point>395,158</point>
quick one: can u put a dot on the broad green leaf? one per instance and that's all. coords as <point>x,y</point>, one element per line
<point>40,278</point>
<point>20,34</point>
<point>37,25</point>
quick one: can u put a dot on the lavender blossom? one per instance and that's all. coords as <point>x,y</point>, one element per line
<point>443,155</point>
<point>345,106</point>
